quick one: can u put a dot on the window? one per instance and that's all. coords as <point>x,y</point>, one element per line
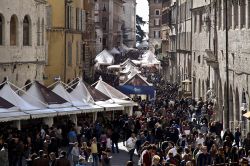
<point>1,29</point>
<point>199,59</point>
<point>156,34</point>
<point>83,20</point>
<point>200,21</point>
<point>69,17</point>
<point>157,12</point>
<point>242,14</point>
<point>48,16</point>
<point>38,32</point>
<point>156,21</point>
<point>69,53</point>
<point>236,11</point>
<point>229,14</point>
<point>42,32</point>
<point>219,14</point>
<point>195,21</point>
<point>26,31</point>
<point>13,30</point>
<point>77,52</point>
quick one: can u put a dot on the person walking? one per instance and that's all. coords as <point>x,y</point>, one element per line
<point>75,152</point>
<point>130,144</point>
<point>94,152</point>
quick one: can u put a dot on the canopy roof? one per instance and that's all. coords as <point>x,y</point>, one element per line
<point>5,104</point>
<point>149,58</point>
<point>114,51</point>
<point>137,80</point>
<point>81,93</point>
<point>42,97</point>
<point>128,61</point>
<point>110,106</point>
<point>12,97</point>
<point>104,58</point>
<point>109,90</point>
<point>133,72</point>
<point>96,94</point>
<point>9,115</point>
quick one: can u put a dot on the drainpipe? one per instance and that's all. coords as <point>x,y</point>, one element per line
<point>227,71</point>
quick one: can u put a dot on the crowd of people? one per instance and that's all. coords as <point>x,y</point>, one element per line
<point>165,131</point>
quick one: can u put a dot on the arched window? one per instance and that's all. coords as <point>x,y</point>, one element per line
<point>13,30</point>
<point>27,85</point>
<point>26,31</point>
<point>1,29</point>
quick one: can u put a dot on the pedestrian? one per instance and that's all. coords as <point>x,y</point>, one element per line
<point>75,153</point>
<point>41,160</point>
<point>130,144</point>
<point>4,155</point>
<point>94,152</point>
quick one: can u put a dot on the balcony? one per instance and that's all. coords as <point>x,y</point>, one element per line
<point>211,59</point>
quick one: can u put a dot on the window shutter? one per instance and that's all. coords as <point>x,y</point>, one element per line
<point>83,20</point>
<point>72,17</point>
<point>79,20</point>
<point>49,16</point>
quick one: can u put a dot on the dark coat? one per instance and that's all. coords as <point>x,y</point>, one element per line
<point>40,162</point>
<point>62,162</point>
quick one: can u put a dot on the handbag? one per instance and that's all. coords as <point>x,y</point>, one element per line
<point>90,159</point>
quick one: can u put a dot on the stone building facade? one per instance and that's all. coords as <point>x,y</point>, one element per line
<point>155,15</point>
<point>209,57</point>
<point>129,24</point>
<point>109,18</point>
<point>22,40</point>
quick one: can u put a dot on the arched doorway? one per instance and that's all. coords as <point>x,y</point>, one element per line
<point>13,30</point>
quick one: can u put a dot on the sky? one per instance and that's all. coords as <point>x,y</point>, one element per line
<point>142,10</point>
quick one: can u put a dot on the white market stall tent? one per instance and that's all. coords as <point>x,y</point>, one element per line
<point>9,112</point>
<point>114,51</point>
<point>149,58</point>
<point>115,95</point>
<point>104,58</point>
<point>84,93</point>
<point>83,107</point>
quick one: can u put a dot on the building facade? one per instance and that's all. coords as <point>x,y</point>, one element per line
<point>66,25</point>
<point>209,56</point>
<point>155,15</point>
<point>129,24</point>
<point>22,40</point>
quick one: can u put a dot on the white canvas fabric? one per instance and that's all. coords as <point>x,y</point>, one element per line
<point>109,106</point>
<point>8,94</point>
<point>34,96</point>
<point>42,113</point>
<point>61,91</point>
<point>109,90</point>
<point>81,93</point>
<point>149,58</point>
<point>10,115</point>
<point>105,58</point>
<point>114,51</point>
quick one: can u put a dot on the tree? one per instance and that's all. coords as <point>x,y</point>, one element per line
<point>140,34</point>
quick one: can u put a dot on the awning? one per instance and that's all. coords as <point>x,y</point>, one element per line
<point>91,108</point>
<point>126,103</point>
<point>67,111</point>
<point>247,115</point>
<point>43,113</point>
<point>10,115</point>
<point>109,106</point>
